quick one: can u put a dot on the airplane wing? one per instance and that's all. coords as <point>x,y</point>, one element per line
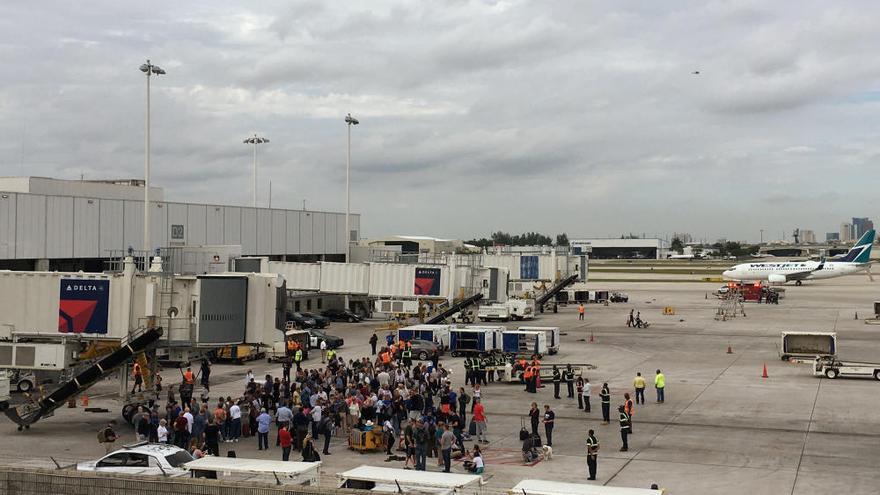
<point>806,273</point>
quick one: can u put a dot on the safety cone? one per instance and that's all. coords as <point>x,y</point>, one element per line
<point>765,375</point>
<point>729,349</point>
<point>85,400</point>
<point>591,336</point>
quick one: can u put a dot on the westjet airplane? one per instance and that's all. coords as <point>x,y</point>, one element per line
<point>858,259</point>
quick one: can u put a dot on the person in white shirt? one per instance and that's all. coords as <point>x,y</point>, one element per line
<point>162,432</point>
<point>189,421</point>
<point>248,377</point>
<point>588,389</point>
<point>235,418</point>
<point>317,412</point>
<point>323,350</point>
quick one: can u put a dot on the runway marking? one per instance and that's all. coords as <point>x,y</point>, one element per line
<point>806,437</point>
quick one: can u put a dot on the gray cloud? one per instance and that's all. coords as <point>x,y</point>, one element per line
<point>574,116</point>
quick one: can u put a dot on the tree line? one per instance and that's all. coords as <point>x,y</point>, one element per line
<point>526,239</point>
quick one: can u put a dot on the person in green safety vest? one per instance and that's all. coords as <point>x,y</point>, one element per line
<point>468,371</point>
<point>406,354</point>
<point>481,366</point>
<point>624,428</point>
<point>297,358</point>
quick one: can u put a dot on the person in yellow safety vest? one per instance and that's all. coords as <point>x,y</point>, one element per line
<point>297,358</point>
<point>660,385</point>
<point>639,386</point>
<point>330,354</point>
<point>138,378</point>
<point>581,311</point>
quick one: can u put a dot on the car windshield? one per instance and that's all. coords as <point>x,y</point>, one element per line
<point>179,458</point>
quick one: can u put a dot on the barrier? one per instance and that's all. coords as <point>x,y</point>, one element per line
<point>30,481</point>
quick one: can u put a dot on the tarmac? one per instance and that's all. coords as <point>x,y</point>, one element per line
<point>723,428</point>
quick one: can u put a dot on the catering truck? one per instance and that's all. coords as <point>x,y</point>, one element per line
<point>807,345</point>
<point>831,367</point>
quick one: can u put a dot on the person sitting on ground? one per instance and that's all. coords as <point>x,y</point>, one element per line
<point>475,462</point>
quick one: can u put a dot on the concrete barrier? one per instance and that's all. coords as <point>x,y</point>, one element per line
<point>29,481</point>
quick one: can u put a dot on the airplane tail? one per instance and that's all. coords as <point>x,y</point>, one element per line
<point>861,251</point>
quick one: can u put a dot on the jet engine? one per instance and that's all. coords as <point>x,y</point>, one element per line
<point>774,278</point>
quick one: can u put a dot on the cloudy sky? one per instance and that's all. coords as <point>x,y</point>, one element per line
<point>565,116</point>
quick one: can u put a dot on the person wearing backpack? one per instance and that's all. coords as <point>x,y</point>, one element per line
<point>107,436</point>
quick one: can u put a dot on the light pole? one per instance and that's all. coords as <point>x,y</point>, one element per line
<point>149,69</point>
<point>255,141</point>
<point>350,121</point>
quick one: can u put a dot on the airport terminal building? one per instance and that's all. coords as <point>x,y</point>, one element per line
<point>611,248</point>
<point>68,225</point>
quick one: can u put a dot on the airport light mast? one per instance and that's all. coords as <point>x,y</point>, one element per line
<point>350,121</point>
<point>150,70</point>
<point>255,141</point>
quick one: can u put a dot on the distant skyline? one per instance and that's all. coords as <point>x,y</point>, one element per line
<point>590,118</point>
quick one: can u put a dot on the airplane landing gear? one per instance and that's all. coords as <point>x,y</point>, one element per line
<point>798,283</point>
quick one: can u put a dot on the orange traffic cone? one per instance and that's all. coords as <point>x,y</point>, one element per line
<point>85,400</point>
<point>729,349</point>
<point>765,375</point>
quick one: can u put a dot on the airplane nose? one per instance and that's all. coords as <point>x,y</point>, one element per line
<point>727,273</point>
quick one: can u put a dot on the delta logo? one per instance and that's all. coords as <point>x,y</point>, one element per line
<point>83,306</point>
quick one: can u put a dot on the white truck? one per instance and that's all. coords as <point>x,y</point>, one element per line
<point>494,312</point>
<point>831,367</point>
<point>512,309</point>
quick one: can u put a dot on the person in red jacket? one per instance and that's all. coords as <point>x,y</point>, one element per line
<point>480,421</point>
<point>286,441</point>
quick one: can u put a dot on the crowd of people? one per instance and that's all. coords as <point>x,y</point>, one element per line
<point>414,405</point>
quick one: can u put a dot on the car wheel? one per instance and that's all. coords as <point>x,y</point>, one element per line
<point>423,356</point>
<point>877,375</point>
<point>831,373</point>
<point>25,385</point>
<point>350,319</point>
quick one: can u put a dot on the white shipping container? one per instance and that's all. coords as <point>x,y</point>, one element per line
<point>299,276</point>
<point>351,278</point>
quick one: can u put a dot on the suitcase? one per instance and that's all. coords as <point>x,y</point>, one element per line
<point>523,432</point>
<point>472,429</point>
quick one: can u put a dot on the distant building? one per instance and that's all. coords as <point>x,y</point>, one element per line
<point>846,232</point>
<point>652,248</point>
<point>860,226</point>
<point>832,236</point>
<point>416,244</point>
<point>808,236</point>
